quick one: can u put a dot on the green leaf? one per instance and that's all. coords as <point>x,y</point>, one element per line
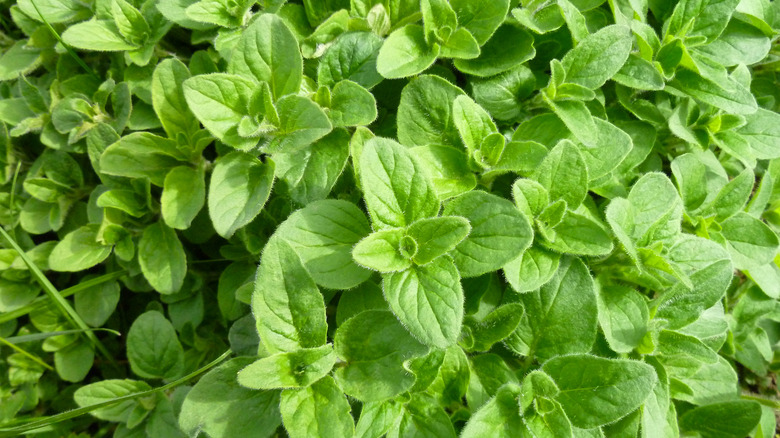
<point>653,212</point>
<point>762,130</point>
<point>153,347</point>
<point>730,96</point>
<point>106,390</point>
<point>184,193</point>
<point>439,20</point>
<point>240,186</point>
<point>162,258</point>
<point>323,234</point>
<point>595,391</point>
<point>564,175</point>
<point>319,410</point>
<point>374,346</point>
<point>448,169</point>
<point>710,271</point>
<point>428,300</point>
<point>141,155</point>
<point>55,11</point>
<point>425,113</point>
<point>423,418</point>
<point>613,145</point>
<point>576,116</point>
<point>217,405</point>
<point>498,418</point>
<point>352,56</point>
<point>352,105</point>
<point>496,56</point>
<point>532,269</point>
<point>294,369</point>
<point>78,250</point>
<point>74,361</point>
<point>99,35</point>
<point>376,418</point>
<point>437,236</point>
<point>287,304</point>
<point>598,57</point>
<point>129,21</point>
<point>623,316</point>
<point>95,304</point>
<point>578,232</point>
<point>302,122</point>
<point>494,328</point>
<point>397,189</point>
<point>640,74</point>
<point>311,172</point>
<point>382,251</point>
<point>728,419</point>
<point>751,242</point>
<point>405,53</point>
<point>18,59</point>
<point>502,95</point>
<point>168,99</point>
<point>460,45</point>
<point>220,101</point>
<point>268,52</point>
<point>561,317</point>
<point>734,195</point>
<point>472,121</point>
<point>499,232</point>
<point>481,20</point>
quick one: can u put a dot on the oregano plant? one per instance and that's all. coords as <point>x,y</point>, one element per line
<point>389,218</point>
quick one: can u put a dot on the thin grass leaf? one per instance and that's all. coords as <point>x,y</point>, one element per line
<point>65,307</point>
<point>32,357</point>
<point>41,301</point>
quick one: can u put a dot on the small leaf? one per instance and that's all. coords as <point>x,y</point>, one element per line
<point>287,304</point>
<point>499,232</point>
<point>405,52</point>
<point>319,410</point>
<point>162,258</point>
<point>78,250</point>
<point>727,419</point>
<point>428,300</point>
<point>220,101</point>
<point>295,369</point>
<point>268,52</point>
<point>397,189</point>
<point>153,347</point>
<point>240,186</point>
<point>381,251</point>
<point>184,193</point>
<point>373,343</point>
<point>437,236</point>
<point>598,57</point>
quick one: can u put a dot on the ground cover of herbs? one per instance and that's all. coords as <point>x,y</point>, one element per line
<point>411,218</point>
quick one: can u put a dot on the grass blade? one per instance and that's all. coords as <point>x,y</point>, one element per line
<point>58,299</point>
<point>41,336</point>
<point>32,357</point>
<point>40,302</point>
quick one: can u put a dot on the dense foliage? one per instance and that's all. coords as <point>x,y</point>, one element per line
<point>412,218</point>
